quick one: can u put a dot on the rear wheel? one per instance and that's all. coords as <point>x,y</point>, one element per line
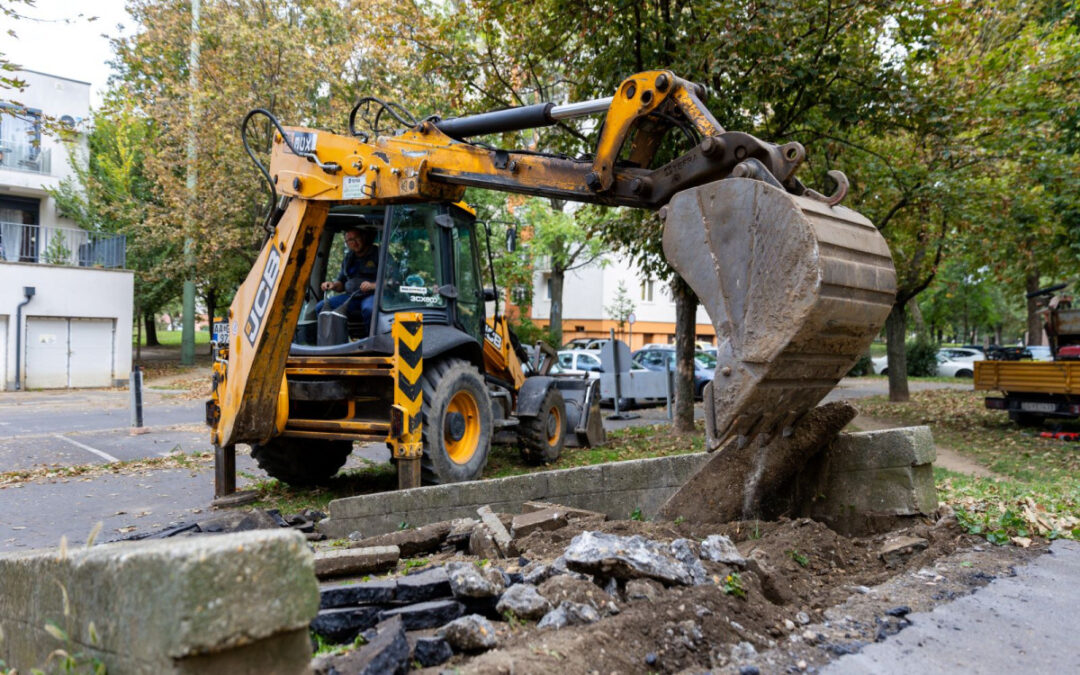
<point>301,461</point>
<point>965,373</point>
<point>544,435</point>
<point>457,422</point>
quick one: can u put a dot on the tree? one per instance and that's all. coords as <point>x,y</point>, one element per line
<point>559,240</point>
<point>621,307</point>
<point>111,193</point>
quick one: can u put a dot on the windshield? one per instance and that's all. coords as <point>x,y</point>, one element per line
<point>705,361</point>
<point>413,273</point>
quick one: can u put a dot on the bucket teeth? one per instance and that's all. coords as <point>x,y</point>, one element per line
<point>795,288</point>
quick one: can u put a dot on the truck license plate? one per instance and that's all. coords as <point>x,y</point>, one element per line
<point>1032,406</point>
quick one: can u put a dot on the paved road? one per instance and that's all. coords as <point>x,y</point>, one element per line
<point>1022,624</point>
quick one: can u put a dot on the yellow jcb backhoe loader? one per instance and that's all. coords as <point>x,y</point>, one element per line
<point>796,285</point>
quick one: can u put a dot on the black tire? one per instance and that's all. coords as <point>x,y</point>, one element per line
<point>543,436</point>
<point>1026,419</point>
<point>965,373</point>
<point>884,371</point>
<point>458,423</point>
<point>301,461</point>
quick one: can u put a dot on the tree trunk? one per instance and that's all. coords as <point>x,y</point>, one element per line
<point>896,336</point>
<point>151,330</point>
<point>1034,323</point>
<point>685,331</point>
<point>555,315</point>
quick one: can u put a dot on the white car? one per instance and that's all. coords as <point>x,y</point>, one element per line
<point>952,362</point>
<point>1041,353</point>
<point>580,362</point>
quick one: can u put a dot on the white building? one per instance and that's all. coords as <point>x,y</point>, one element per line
<point>75,328</point>
<point>589,292</point>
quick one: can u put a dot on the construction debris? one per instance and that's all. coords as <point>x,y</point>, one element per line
<point>355,561</point>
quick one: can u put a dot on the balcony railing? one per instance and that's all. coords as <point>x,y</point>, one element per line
<point>25,157</point>
<point>52,245</point>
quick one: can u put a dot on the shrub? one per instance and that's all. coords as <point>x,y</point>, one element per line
<point>922,358</point>
<point>864,366</point>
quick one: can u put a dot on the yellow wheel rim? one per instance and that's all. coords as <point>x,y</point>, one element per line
<point>463,449</point>
<point>554,426</point>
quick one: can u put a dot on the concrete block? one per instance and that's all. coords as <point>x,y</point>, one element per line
<point>887,448</point>
<point>343,624</point>
<point>355,560</point>
<point>422,539</point>
<point>571,512</point>
<point>496,528</point>
<point>423,615</point>
<point>580,481</point>
<point>377,591</point>
<point>426,585</point>
<point>211,596</point>
<point>546,520</point>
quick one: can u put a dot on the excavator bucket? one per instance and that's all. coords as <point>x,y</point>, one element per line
<point>797,289</point>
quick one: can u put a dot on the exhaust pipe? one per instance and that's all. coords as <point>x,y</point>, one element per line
<point>28,291</point>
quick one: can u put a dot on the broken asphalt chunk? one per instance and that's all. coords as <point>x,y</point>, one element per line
<point>426,614</point>
<point>610,555</point>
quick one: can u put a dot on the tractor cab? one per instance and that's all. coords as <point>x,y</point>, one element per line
<point>427,261</point>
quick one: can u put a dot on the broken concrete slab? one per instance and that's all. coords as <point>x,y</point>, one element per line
<point>343,624</point>
<point>545,520</point>
<point>211,596</point>
<point>387,652</point>
<point>482,543</point>
<point>355,561</point>
<point>460,532</point>
<point>497,529</point>
<point>427,585</point>
<point>239,521</point>
<point>430,651</point>
<point>524,602</point>
<point>570,511</point>
<point>719,548</point>
<point>898,549</point>
<point>471,633</point>
<point>609,555</point>
<point>410,542</point>
<point>467,580</point>
<point>683,551</point>
<point>421,615</point>
<point>735,481</point>
<point>377,591</point>
<point>569,614</point>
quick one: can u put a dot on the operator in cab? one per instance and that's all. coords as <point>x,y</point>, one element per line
<point>356,282</point>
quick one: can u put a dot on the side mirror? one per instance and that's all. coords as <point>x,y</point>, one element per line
<point>489,295</point>
<point>511,239</point>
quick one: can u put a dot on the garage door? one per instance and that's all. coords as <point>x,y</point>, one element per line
<point>3,352</point>
<point>68,353</point>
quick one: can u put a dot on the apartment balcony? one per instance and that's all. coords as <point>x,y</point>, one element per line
<point>25,157</point>
<point>51,245</point>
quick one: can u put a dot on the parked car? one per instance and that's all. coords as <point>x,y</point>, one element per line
<point>585,343</point>
<point>1041,353</point>
<point>580,361</point>
<point>663,358</point>
<point>952,362</point>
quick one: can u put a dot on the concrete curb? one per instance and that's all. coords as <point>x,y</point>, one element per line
<point>202,604</point>
<point>615,489</point>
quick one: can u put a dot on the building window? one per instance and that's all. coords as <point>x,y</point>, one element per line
<point>20,138</point>
<point>647,290</point>
<point>19,231</point>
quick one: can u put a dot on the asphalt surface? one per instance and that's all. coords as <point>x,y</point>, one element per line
<point>1021,624</point>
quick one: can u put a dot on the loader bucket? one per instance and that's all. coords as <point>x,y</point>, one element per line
<point>795,288</point>
<point>584,424</point>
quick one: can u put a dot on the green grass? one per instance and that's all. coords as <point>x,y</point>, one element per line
<point>504,460</point>
<point>1039,489</point>
<point>172,338</point>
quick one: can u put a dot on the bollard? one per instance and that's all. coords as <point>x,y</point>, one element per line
<point>135,387</point>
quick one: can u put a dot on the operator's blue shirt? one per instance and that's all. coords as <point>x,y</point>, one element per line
<point>358,268</point>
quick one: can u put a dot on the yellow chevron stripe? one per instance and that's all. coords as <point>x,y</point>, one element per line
<point>411,374</point>
<point>410,340</point>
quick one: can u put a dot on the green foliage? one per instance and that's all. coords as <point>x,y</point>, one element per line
<point>733,585</point>
<point>922,358</point>
<point>799,558</point>
<point>529,333</point>
<point>57,252</point>
<point>636,514</point>
<point>413,563</point>
<point>864,366</point>
<point>621,307</point>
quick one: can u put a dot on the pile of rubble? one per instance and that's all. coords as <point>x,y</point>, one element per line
<point>427,616</point>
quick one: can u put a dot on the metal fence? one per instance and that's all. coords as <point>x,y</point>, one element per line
<point>61,246</point>
<point>25,157</point>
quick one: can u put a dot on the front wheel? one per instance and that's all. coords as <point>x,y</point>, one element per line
<point>965,373</point>
<point>457,422</point>
<point>544,435</point>
<point>299,461</point>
